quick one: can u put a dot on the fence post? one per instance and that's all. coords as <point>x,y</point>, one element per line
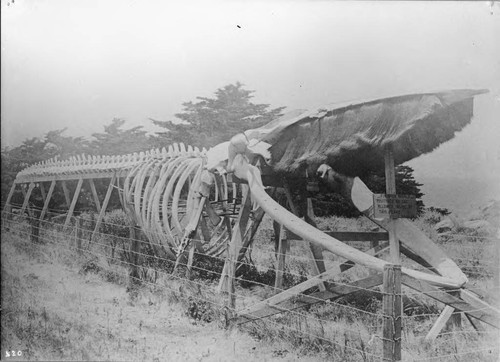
<point>391,304</point>
<point>35,227</point>
<point>134,255</point>
<point>78,234</point>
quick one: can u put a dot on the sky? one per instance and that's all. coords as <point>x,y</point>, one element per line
<point>77,64</point>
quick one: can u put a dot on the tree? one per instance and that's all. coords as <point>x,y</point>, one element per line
<point>35,150</point>
<point>117,141</point>
<point>210,121</point>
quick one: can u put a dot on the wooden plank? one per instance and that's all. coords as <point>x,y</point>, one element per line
<point>103,208</point>
<point>440,323</point>
<point>283,302</point>
<point>66,193</point>
<point>475,323</point>
<point>392,312</point>
<point>9,197</point>
<point>336,269</point>
<point>417,258</point>
<point>47,199</point>
<point>486,314</point>
<point>390,189</point>
<point>42,191</point>
<point>94,194</point>
<point>258,215</point>
<point>27,198</point>
<point>477,303</point>
<point>351,236</point>
<point>73,202</point>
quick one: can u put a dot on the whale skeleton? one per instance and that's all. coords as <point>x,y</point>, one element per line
<point>213,200</point>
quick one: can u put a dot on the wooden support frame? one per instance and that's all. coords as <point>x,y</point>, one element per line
<point>290,298</point>
<point>483,312</point>
<point>47,199</point>
<point>103,207</point>
<point>332,272</point>
<point>73,202</point>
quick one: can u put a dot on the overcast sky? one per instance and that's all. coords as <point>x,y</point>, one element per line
<point>80,63</point>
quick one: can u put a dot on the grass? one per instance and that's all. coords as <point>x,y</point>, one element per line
<point>347,329</point>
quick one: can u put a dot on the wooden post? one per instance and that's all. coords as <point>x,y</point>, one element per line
<point>35,228</point>
<point>47,199</point>
<point>94,194</point>
<point>390,186</point>
<point>392,307</point>
<point>73,202</point>
<point>134,255</point>
<point>189,265</point>
<point>281,257</point>
<point>391,304</point>
<point>79,234</point>
<point>104,206</point>
<point>236,244</point>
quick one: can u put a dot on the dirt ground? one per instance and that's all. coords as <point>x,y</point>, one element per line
<point>51,311</point>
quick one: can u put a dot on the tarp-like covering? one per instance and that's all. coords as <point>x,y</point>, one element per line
<point>351,137</point>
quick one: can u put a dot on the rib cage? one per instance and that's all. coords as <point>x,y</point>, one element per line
<point>164,192</point>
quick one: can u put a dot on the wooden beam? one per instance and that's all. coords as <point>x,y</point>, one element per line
<point>440,323</point>
<point>258,215</point>
<point>390,189</point>
<point>27,198</point>
<point>94,194</point>
<point>477,303</point>
<point>42,191</point>
<point>283,302</point>
<point>47,199</point>
<point>475,323</point>
<point>488,315</point>
<point>104,206</point>
<point>66,193</point>
<point>73,202</point>
<point>9,197</point>
<point>351,236</point>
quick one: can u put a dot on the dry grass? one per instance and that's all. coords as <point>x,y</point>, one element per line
<point>61,305</point>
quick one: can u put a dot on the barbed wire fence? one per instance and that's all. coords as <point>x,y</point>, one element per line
<point>348,328</point>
